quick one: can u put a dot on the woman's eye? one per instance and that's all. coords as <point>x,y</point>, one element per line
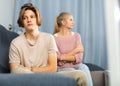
<point>71,20</point>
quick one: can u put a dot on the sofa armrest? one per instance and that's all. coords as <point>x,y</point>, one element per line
<point>99,75</point>
<point>107,78</point>
<point>98,78</point>
<point>36,79</point>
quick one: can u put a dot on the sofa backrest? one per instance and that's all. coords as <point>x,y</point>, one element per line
<point>5,39</point>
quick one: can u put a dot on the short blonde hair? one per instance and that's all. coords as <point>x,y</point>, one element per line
<point>29,6</point>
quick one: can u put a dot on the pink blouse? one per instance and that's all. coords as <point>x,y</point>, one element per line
<point>65,45</point>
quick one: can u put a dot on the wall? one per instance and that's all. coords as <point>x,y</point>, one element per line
<point>112,25</point>
<point>6,14</point>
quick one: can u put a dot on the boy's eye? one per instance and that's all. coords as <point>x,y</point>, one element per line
<point>32,16</point>
<point>24,18</point>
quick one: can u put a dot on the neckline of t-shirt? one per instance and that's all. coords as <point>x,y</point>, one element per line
<point>29,43</point>
<point>56,35</point>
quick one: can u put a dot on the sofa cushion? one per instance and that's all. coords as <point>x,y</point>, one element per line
<point>36,79</point>
<point>94,67</point>
<point>5,39</point>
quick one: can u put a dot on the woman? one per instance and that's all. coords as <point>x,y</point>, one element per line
<point>69,46</point>
<point>35,51</point>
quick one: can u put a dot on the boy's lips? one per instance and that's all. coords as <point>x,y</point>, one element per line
<point>29,24</point>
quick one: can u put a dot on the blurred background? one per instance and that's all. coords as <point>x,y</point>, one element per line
<point>97,21</point>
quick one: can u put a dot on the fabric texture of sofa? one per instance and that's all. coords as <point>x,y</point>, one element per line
<point>39,79</point>
<point>36,79</point>
<point>99,75</point>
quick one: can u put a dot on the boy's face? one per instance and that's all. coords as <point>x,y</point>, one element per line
<point>29,20</point>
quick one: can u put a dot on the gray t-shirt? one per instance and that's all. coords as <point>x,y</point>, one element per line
<point>34,56</point>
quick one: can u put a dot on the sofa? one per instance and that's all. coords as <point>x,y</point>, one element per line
<point>99,75</point>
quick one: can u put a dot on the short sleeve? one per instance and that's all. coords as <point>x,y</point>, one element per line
<point>13,54</point>
<point>78,38</point>
<point>52,45</point>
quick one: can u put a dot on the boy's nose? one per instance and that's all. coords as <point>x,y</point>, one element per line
<point>29,19</point>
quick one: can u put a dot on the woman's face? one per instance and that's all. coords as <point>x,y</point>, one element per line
<point>29,20</point>
<point>69,22</point>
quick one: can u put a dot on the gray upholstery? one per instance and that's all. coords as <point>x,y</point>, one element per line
<point>99,75</point>
<point>37,79</point>
<point>5,39</point>
<point>98,78</point>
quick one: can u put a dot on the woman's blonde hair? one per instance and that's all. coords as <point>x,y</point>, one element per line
<point>29,6</point>
<point>58,21</point>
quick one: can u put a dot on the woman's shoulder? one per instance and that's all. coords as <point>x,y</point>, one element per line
<point>56,35</point>
<point>75,34</point>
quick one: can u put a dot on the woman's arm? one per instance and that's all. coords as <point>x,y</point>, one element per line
<point>78,49</point>
<point>71,56</point>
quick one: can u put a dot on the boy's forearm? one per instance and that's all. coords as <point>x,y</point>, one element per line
<point>44,69</point>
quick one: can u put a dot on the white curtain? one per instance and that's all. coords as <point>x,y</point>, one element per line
<point>89,22</point>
